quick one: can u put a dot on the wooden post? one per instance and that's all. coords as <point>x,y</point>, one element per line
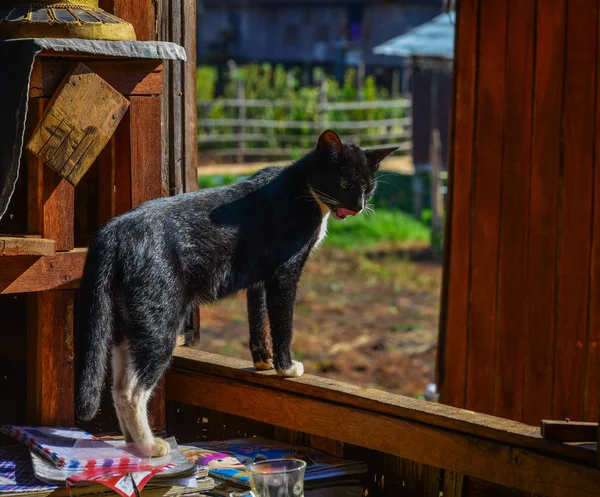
<point>50,373</point>
<point>241,141</point>
<point>435,159</point>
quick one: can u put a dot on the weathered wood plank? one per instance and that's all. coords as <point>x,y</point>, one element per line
<point>22,246</point>
<point>489,460</point>
<point>141,14</point>
<point>514,219</point>
<point>592,381</point>
<point>190,109</point>
<point>122,139</point>
<point>50,365</point>
<point>39,274</point>
<point>482,331</point>
<point>327,445</point>
<point>569,431</point>
<point>576,210</point>
<point>176,104</point>
<point>128,77</point>
<point>543,210</point>
<point>81,118</point>
<point>452,354</point>
<point>454,484</point>
<point>50,199</point>
<point>438,415</point>
<point>106,182</point>
<point>145,139</point>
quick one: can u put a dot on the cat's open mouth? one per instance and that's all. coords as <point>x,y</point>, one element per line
<point>342,213</point>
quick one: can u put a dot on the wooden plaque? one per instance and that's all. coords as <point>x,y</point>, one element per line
<point>79,121</point>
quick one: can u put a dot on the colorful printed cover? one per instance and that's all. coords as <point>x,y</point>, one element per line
<point>125,483</point>
<point>72,448</point>
<point>179,467</point>
<point>227,460</point>
<point>16,472</point>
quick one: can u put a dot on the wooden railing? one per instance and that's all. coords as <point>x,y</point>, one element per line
<point>243,137</point>
<point>454,445</point>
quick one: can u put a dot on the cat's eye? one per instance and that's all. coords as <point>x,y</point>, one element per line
<point>344,186</point>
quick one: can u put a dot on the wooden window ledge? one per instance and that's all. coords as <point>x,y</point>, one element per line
<point>486,447</point>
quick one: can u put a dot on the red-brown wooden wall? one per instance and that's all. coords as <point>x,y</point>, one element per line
<point>521,296</point>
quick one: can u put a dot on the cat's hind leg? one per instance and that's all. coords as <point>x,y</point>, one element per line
<point>261,346</point>
<point>131,394</point>
<point>120,360</point>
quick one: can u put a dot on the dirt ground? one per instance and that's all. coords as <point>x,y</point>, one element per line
<point>367,318</point>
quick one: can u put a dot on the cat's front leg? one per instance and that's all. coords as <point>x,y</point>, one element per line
<point>281,297</point>
<point>261,346</point>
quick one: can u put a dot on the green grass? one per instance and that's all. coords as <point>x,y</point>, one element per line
<point>385,226</point>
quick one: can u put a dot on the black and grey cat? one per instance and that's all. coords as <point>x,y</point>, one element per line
<point>147,267</point>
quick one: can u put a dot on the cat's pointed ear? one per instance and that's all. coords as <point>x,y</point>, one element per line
<point>330,143</point>
<point>375,156</point>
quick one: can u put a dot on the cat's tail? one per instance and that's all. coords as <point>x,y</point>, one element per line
<point>95,327</point>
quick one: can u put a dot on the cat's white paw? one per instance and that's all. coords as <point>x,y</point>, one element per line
<point>161,448</point>
<point>297,369</point>
<point>263,365</point>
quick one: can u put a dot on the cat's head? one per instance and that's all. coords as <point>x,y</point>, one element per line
<point>343,174</point>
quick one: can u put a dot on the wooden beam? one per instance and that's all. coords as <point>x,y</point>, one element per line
<point>50,198</point>
<point>50,365</point>
<point>11,246</point>
<point>569,431</point>
<point>467,454</point>
<point>146,140</point>
<point>128,77</point>
<point>38,274</point>
<point>436,415</point>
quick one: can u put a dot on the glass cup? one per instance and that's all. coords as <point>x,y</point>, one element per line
<point>275,478</point>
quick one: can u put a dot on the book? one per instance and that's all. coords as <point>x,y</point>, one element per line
<point>226,460</point>
<point>73,448</point>
<point>192,454</point>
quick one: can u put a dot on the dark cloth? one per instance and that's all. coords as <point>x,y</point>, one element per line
<point>16,63</point>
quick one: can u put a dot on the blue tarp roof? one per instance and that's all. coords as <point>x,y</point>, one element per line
<point>435,38</point>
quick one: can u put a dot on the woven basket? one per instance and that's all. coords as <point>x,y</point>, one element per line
<point>61,19</point>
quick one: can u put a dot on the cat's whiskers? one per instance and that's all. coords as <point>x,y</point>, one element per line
<point>328,198</point>
<point>369,211</point>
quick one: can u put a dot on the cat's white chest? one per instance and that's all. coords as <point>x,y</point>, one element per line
<point>322,231</point>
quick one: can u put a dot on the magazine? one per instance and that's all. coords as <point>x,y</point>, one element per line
<point>179,467</point>
<point>16,472</point>
<point>226,460</point>
<point>17,476</point>
<point>73,448</point>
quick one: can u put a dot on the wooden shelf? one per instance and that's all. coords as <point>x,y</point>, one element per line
<point>18,246</point>
<point>60,271</point>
